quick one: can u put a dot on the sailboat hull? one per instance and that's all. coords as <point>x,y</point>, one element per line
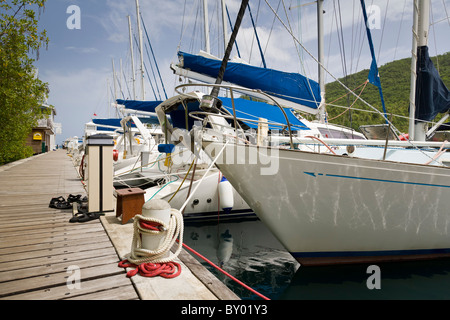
<point>328,209</point>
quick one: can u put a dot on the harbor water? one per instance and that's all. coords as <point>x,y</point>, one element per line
<point>247,250</point>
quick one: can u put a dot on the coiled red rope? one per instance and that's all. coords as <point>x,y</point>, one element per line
<point>166,270</point>
<point>172,269</point>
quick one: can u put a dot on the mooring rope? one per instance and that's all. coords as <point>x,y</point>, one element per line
<point>150,263</point>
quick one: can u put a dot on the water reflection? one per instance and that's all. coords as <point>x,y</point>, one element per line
<point>246,250</point>
<point>399,281</point>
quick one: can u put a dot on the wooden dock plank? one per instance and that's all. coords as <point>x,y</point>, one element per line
<point>56,279</point>
<point>38,270</point>
<point>88,289</point>
<point>35,244</point>
<point>69,257</point>
<point>38,244</point>
<point>105,243</point>
<point>42,226</point>
<point>20,244</point>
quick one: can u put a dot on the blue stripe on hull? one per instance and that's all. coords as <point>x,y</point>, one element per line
<point>377,180</point>
<point>369,253</point>
<point>335,258</point>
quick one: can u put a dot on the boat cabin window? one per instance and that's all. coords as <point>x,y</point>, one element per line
<point>338,134</point>
<point>378,132</point>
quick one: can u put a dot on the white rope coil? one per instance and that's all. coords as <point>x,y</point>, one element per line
<point>174,231</point>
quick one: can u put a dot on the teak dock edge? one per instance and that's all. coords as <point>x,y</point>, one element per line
<point>41,251</point>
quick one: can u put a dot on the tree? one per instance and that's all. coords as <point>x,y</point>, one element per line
<point>395,80</point>
<point>21,92</point>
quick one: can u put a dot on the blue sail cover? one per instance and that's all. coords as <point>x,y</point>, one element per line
<point>254,110</point>
<point>112,122</point>
<point>246,109</point>
<point>147,106</point>
<point>432,96</point>
<point>289,86</point>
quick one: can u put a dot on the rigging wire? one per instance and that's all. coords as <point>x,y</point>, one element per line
<point>382,30</point>
<point>341,38</point>
<point>256,35</point>
<point>290,30</point>
<point>153,71</point>
<point>399,29</point>
<point>271,28</point>
<point>326,70</point>
<point>362,37</point>
<point>446,12</point>
<point>295,40</point>
<point>154,58</point>
<point>329,44</point>
<point>146,70</point>
<point>182,23</point>
<point>340,33</point>
<point>210,24</point>
<point>352,37</point>
<point>192,42</point>
<point>434,37</point>
<point>350,107</point>
<point>232,28</point>
<point>125,80</point>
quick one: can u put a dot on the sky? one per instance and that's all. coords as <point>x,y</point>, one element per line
<point>78,64</point>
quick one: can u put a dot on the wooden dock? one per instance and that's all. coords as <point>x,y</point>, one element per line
<point>41,252</point>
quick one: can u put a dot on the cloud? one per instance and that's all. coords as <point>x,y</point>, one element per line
<point>159,16</point>
<point>76,95</point>
<point>82,50</point>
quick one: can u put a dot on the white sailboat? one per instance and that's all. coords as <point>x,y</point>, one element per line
<point>330,208</point>
<point>175,171</point>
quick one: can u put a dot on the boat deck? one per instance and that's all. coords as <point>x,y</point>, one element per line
<point>39,246</point>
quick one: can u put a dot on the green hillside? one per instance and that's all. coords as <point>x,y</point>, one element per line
<point>395,81</point>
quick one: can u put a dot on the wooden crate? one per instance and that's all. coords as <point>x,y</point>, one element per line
<point>129,203</point>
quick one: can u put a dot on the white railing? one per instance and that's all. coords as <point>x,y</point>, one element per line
<point>45,123</point>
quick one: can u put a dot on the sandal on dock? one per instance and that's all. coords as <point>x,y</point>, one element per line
<point>59,203</point>
<point>63,205</point>
<point>71,198</point>
<point>85,216</point>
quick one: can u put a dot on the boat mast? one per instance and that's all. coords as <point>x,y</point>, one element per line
<point>109,100</point>
<point>138,14</point>
<point>115,84</point>
<point>206,25</point>
<point>417,131</point>
<point>223,66</point>
<point>321,114</point>
<point>133,72</point>
<point>114,80</point>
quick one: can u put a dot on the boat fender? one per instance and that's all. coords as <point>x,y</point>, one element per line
<point>226,195</point>
<point>166,148</point>
<point>115,155</point>
<point>350,150</point>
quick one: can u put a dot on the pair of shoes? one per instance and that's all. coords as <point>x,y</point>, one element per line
<point>53,201</point>
<point>85,216</point>
<point>63,205</point>
<point>59,203</point>
<point>71,198</point>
